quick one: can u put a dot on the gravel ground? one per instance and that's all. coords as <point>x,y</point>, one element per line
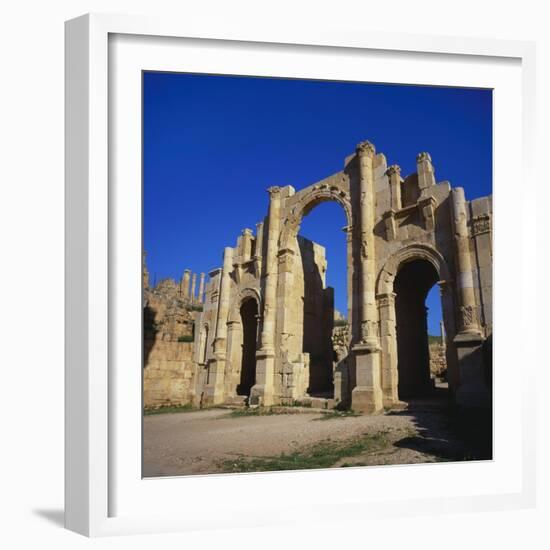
<point>195,442</point>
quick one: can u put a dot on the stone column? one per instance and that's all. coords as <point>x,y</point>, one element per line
<point>469,317</point>
<point>246,244</point>
<point>472,390</point>
<point>394,172</point>
<point>425,171</point>
<point>193,286</point>
<point>185,283</point>
<point>388,337</point>
<point>258,249</point>
<point>201,289</point>
<point>234,357</point>
<point>351,297</point>
<point>367,394</point>
<point>214,392</point>
<point>262,391</point>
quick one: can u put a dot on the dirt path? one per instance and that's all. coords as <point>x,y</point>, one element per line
<point>198,442</point>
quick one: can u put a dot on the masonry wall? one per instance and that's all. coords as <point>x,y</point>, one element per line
<point>169,371</point>
<point>168,374</point>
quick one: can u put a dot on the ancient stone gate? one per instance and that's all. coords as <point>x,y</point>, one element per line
<point>265,333</point>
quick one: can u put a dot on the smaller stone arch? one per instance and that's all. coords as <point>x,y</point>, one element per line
<point>415,251</point>
<point>244,294</point>
<point>309,199</point>
<point>386,298</point>
<point>241,343</point>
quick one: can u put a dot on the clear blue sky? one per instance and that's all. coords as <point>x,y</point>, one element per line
<point>212,145</point>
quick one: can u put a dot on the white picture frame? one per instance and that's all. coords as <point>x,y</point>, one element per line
<point>99,501</point>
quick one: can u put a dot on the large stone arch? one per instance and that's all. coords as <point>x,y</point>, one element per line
<point>296,345</point>
<point>387,312</point>
<point>309,198</point>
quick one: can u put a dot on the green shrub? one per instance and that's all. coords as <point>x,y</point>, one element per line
<point>186,338</point>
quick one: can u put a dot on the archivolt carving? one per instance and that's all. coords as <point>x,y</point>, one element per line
<point>245,294</point>
<point>409,253</point>
<point>315,195</point>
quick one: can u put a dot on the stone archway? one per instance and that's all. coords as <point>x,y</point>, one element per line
<point>307,330</point>
<point>242,342</point>
<point>411,286</point>
<point>402,286</point>
<point>249,322</point>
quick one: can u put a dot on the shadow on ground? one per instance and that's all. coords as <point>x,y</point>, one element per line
<point>56,517</point>
<point>445,431</point>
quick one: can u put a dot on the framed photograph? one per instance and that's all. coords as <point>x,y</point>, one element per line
<point>289,274</point>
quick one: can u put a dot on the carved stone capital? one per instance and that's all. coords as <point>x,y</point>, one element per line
<point>421,157</point>
<point>274,191</point>
<point>286,259</point>
<point>369,332</point>
<point>393,170</point>
<point>247,232</point>
<point>481,224</point>
<point>365,148</point>
<point>469,317</point>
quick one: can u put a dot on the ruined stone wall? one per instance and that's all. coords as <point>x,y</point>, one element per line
<point>169,370</point>
<point>168,374</point>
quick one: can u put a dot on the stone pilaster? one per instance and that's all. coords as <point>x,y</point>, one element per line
<point>388,341</point>
<point>425,170</point>
<point>234,357</point>
<point>469,316</point>
<point>352,299</point>
<point>472,390</point>
<point>394,173</point>
<point>427,208</point>
<point>262,391</point>
<point>367,394</point>
<point>258,249</point>
<point>286,312</point>
<point>214,391</point>
<point>246,244</point>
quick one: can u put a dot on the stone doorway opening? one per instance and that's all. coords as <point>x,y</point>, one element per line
<point>249,320</point>
<point>411,286</point>
<point>322,247</point>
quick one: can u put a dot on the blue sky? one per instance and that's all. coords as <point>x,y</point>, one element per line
<point>212,145</point>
